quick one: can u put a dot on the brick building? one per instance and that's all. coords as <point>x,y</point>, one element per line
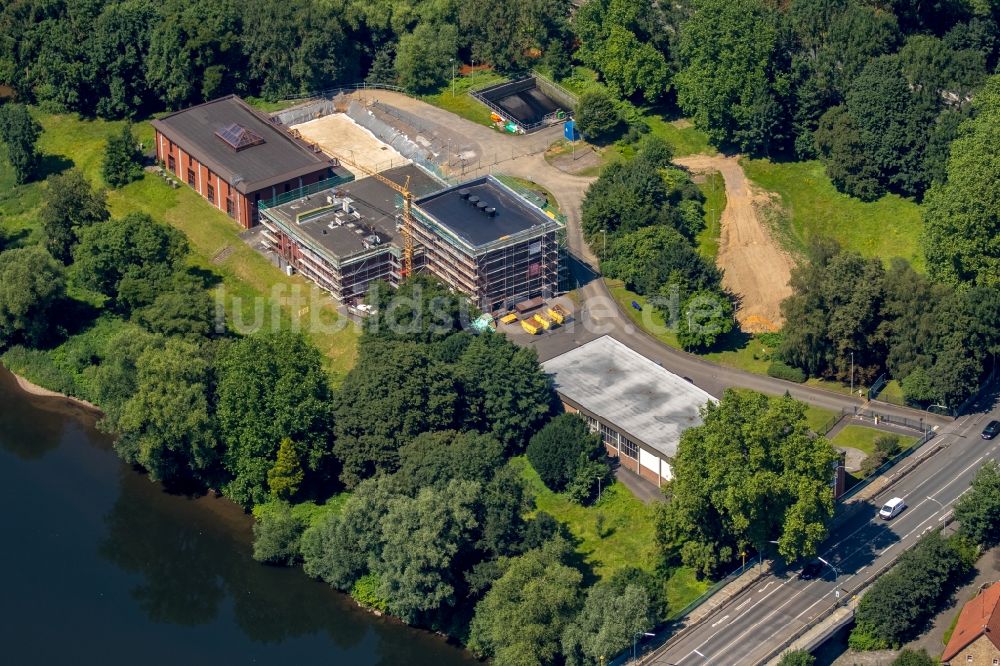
<point>976,638</point>
<point>235,157</point>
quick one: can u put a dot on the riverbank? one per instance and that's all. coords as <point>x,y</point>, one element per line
<point>39,391</point>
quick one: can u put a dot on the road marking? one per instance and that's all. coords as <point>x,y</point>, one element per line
<point>743,604</point>
<point>720,620</point>
<point>766,586</point>
<point>699,653</point>
<point>934,500</point>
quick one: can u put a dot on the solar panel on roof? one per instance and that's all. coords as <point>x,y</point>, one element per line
<point>239,137</point>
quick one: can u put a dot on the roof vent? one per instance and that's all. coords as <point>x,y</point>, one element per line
<point>238,137</point>
<point>473,200</point>
<point>464,193</point>
<point>482,206</point>
<point>491,211</point>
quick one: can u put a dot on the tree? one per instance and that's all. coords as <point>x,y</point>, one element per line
<point>32,284</point>
<point>70,205</point>
<point>623,40</point>
<point>961,218</point>
<point>129,260</point>
<point>122,159</point>
<point>978,511</point>
<point>167,426</point>
<point>597,117</point>
<point>339,546</point>
<point>286,475</point>
<point>424,539</point>
<point>281,376</point>
<point>797,658</point>
<point>186,311</point>
<point>659,256</point>
<point>734,76</point>
<point>750,474</point>
<point>422,309</point>
<point>523,617</point>
<point>276,534</point>
<point>910,657</point>
<point>508,36</point>
<point>705,317</point>
<point>562,451</point>
<point>901,601</point>
<point>433,459</point>
<point>504,391</point>
<point>607,624</point>
<point>20,132</point>
<point>627,197</point>
<point>394,393</point>
<point>119,48</point>
<point>424,56</point>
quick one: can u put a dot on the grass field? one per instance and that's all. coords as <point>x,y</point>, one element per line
<point>714,189</point>
<point>889,227</point>
<point>863,438</point>
<point>628,537</point>
<point>892,392</point>
<point>460,102</point>
<point>248,279</point>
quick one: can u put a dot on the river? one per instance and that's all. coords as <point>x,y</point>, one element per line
<point>101,565</point>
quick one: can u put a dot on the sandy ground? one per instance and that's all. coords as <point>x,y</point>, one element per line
<point>756,268</point>
<point>338,135</point>
<point>35,389</point>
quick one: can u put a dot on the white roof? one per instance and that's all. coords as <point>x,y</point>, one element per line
<point>621,386</point>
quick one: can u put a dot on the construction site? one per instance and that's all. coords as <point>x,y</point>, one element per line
<point>479,236</point>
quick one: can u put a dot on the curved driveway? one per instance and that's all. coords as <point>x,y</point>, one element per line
<point>597,313</point>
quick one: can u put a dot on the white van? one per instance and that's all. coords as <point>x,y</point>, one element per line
<point>892,508</point>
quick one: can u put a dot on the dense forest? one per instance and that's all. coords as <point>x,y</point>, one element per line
<point>876,89</point>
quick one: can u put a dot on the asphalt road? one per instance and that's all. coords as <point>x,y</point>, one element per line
<point>752,625</point>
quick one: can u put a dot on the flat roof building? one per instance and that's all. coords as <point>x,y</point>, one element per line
<point>344,237</point>
<point>486,240</point>
<point>235,157</point>
<point>639,407</point>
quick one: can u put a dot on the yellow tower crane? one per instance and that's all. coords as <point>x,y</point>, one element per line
<point>404,190</point>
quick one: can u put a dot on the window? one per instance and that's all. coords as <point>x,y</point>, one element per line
<point>629,448</point>
<point>190,176</point>
<point>211,193</point>
<point>171,163</point>
<point>230,209</point>
<point>996,661</point>
<point>968,658</point>
<point>288,187</point>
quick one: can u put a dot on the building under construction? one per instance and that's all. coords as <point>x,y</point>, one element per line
<point>480,237</point>
<point>484,239</point>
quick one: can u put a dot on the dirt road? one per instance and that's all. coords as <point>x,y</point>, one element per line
<point>756,268</point>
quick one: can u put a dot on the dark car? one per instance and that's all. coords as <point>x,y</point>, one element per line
<point>991,430</point>
<point>811,570</point>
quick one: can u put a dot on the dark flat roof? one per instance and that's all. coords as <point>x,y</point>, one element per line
<point>372,199</point>
<point>279,158</point>
<point>513,214</point>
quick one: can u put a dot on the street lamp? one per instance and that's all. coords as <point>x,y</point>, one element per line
<point>852,373</point>
<point>836,574</point>
<point>452,76</point>
<point>636,636</point>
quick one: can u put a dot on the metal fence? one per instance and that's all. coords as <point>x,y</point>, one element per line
<point>877,387</point>
<point>550,118</point>
<point>855,489</point>
<point>707,594</point>
<point>306,190</point>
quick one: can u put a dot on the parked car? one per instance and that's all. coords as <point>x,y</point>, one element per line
<point>991,430</point>
<point>892,508</point>
<point>811,570</point>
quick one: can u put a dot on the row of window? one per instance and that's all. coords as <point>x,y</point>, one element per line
<point>210,193</point>
<point>612,437</point>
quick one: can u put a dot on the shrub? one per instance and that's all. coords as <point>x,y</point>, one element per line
<point>277,533</point>
<point>568,457</point>
<point>597,117</point>
<point>37,367</point>
<point>781,370</point>
<point>122,159</point>
<point>366,592</point>
<point>797,658</point>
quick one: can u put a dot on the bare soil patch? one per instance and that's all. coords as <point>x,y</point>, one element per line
<point>337,134</point>
<point>756,268</point>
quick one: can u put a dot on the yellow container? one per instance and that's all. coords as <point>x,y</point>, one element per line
<point>555,315</point>
<point>508,319</point>
<point>530,326</point>
<point>542,321</point>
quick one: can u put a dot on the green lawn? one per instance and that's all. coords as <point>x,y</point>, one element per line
<point>271,107</point>
<point>519,184</point>
<point>460,102</point>
<point>246,276</point>
<point>714,189</point>
<point>628,538</point>
<point>889,227</point>
<point>680,134</point>
<point>892,392</point>
<point>863,438</point>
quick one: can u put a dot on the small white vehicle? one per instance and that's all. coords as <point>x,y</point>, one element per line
<point>892,508</point>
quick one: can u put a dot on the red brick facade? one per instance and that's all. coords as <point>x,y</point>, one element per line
<point>221,194</point>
